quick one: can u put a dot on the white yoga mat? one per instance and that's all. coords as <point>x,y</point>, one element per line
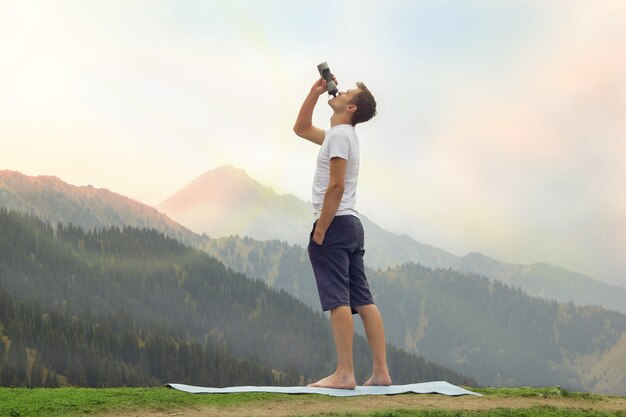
<point>436,387</point>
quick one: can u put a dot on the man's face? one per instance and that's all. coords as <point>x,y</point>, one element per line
<point>342,101</point>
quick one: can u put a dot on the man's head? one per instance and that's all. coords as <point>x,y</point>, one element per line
<point>358,104</point>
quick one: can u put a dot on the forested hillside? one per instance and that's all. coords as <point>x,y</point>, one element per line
<point>484,328</point>
<point>157,281</point>
<point>491,330</point>
<point>51,348</point>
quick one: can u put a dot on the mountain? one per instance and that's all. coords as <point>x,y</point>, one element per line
<point>546,281</point>
<point>490,330</point>
<point>286,267</point>
<point>227,202</point>
<point>151,284</point>
<point>498,333</point>
<point>51,199</point>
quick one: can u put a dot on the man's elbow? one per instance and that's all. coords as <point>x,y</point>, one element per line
<point>300,128</point>
<point>337,187</point>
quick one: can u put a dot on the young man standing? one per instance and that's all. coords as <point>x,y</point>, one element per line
<point>336,241</point>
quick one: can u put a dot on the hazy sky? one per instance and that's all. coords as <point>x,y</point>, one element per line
<point>501,126</point>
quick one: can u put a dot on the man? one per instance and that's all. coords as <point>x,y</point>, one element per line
<point>336,242</point>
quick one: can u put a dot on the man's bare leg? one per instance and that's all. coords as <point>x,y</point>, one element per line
<point>343,331</point>
<point>373,324</point>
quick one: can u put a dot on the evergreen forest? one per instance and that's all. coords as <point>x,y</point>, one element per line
<point>473,324</point>
<point>130,306</point>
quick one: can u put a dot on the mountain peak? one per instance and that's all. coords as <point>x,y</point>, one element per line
<point>225,183</point>
<point>229,171</point>
<point>227,201</point>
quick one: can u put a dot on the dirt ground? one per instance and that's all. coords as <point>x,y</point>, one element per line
<point>295,405</point>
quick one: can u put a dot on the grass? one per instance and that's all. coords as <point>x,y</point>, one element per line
<point>545,392</point>
<point>67,402</point>
<point>70,402</point>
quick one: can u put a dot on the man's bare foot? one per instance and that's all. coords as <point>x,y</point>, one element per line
<point>382,378</point>
<point>335,381</point>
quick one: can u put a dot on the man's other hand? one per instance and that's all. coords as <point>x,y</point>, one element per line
<point>318,237</point>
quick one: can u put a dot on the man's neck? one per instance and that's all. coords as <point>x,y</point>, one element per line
<point>339,119</point>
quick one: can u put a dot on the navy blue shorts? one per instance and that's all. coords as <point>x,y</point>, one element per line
<point>338,264</point>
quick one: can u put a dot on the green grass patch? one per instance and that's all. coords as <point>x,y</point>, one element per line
<point>71,402</point>
<point>68,402</point>
<point>543,392</point>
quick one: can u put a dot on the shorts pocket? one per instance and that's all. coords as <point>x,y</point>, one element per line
<point>312,243</point>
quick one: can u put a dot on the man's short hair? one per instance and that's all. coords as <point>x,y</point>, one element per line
<point>365,105</point>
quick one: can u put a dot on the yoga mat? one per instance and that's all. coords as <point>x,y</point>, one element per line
<point>436,387</point>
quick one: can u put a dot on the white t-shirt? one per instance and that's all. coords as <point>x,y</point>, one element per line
<point>340,141</point>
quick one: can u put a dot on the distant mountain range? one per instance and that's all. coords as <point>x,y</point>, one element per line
<point>53,200</point>
<point>227,202</point>
<point>588,338</point>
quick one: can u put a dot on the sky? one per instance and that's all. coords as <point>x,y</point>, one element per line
<point>501,125</point>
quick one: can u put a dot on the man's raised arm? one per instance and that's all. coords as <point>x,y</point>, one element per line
<point>304,123</point>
